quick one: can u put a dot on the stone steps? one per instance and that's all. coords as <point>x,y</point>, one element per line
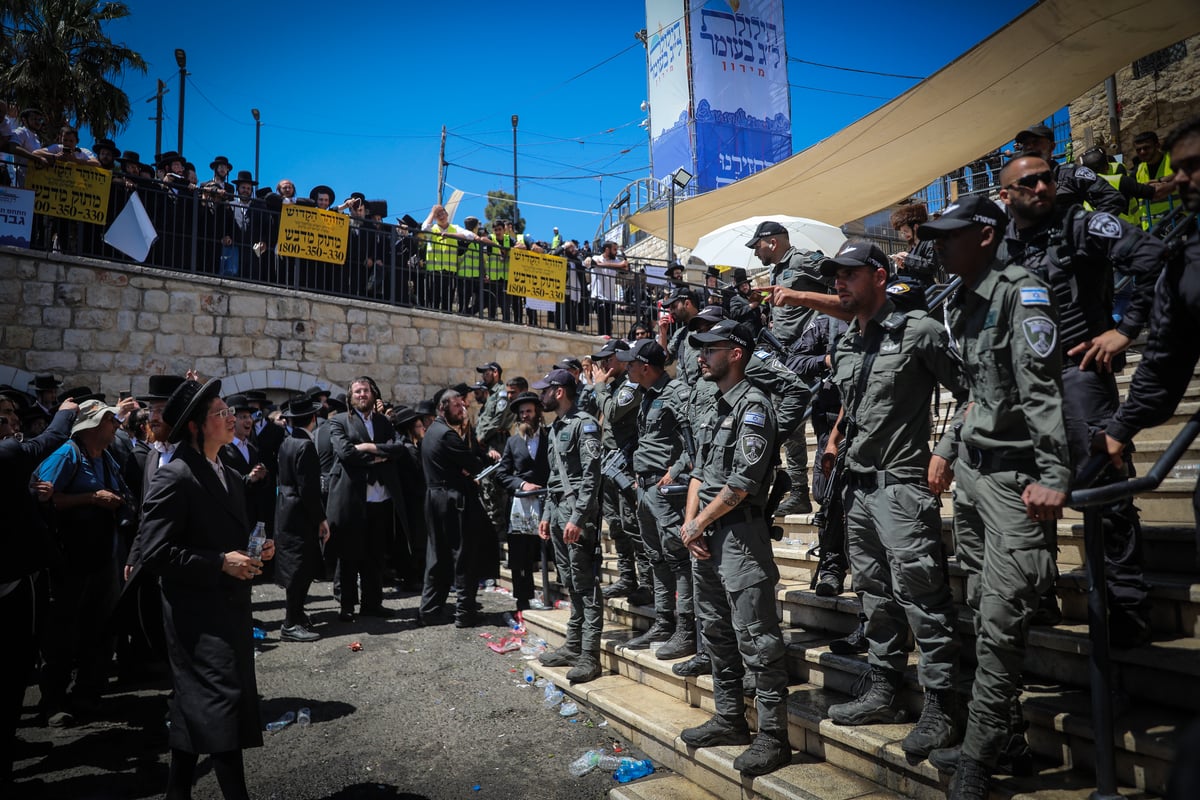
<point>660,787</point>
<point>869,752</point>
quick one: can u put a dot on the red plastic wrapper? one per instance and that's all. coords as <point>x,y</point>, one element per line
<point>355,646</point>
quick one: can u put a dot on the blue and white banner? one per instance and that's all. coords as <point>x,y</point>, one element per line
<point>740,86</point>
<point>667,71</point>
<point>16,216</point>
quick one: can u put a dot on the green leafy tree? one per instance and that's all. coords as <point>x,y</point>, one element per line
<point>500,205</point>
<point>54,56</point>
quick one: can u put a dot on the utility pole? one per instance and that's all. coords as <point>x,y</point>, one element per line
<point>516,207</point>
<point>257,139</point>
<point>158,117</point>
<point>181,60</point>
<point>442,168</point>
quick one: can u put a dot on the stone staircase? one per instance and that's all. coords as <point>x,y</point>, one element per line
<point>645,702</point>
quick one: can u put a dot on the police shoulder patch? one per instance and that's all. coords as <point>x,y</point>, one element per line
<point>1104,224</point>
<point>899,287</point>
<point>1035,296</point>
<point>502,404</point>
<point>1085,173</point>
<point>592,447</point>
<point>753,446</point>
<point>1041,334</point>
<point>625,395</point>
<point>755,418</point>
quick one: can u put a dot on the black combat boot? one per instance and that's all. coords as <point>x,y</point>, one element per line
<point>661,631</point>
<point>970,781</point>
<point>717,731</point>
<point>683,643</point>
<point>939,726</point>
<point>625,584</point>
<point>564,656</point>
<point>879,703</point>
<point>769,752</point>
<point>587,668</point>
<point>856,642</point>
<point>694,667</point>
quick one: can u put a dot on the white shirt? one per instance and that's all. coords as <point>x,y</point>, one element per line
<point>240,444</point>
<point>532,443</point>
<point>217,468</point>
<point>165,451</point>
<point>375,491</point>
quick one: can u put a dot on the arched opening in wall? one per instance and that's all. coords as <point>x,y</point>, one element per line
<point>279,384</point>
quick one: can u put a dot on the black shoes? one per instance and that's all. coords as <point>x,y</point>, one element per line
<point>717,731</point>
<point>682,643</point>
<point>879,703</point>
<point>298,633</point>
<point>939,726</point>
<point>694,667</point>
<point>829,585</point>
<point>621,588</point>
<point>661,631</point>
<point>970,781</point>
<point>641,596</point>
<point>562,657</point>
<point>853,644</point>
<point>768,753</point>
<point>587,668</point>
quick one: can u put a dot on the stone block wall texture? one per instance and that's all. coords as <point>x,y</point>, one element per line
<point>1145,104</point>
<point>110,326</point>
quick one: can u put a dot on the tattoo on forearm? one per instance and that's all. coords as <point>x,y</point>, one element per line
<point>729,497</point>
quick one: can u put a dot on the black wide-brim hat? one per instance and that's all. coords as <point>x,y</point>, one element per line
<point>45,382</point>
<point>300,407</point>
<point>161,387</point>
<point>405,415</point>
<point>186,403</point>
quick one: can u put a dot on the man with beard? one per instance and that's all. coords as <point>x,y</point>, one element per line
<point>724,522</point>
<point>1170,357</point>
<point>569,520</point>
<point>525,467</point>
<point>1076,185</point>
<point>454,513</point>
<point>365,499</point>
<point>683,307</point>
<point>1075,252</point>
<point>241,456</point>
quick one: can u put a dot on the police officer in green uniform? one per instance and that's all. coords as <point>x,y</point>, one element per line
<point>492,437</point>
<point>797,270</point>
<point>1013,468</point>
<point>724,523</point>
<point>661,459</point>
<point>569,519</point>
<point>682,304</point>
<point>887,365</point>
<point>617,399</point>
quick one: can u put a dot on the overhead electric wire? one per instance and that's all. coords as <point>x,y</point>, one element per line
<point>853,69</point>
<point>525,202</point>
<point>550,177</point>
<point>836,91</point>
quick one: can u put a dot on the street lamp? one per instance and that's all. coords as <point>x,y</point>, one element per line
<point>257,139</point>
<point>181,60</point>
<point>516,208</point>
<point>679,178</point>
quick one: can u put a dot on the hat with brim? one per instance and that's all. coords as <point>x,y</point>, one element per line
<point>377,208</point>
<point>727,330</point>
<point>525,397</point>
<point>569,362</point>
<point>646,351</point>
<point>556,377</point>
<point>220,161</point>
<point>611,347</point>
<point>1038,131</point>
<point>973,209</point>
<point>239,402</point>
<point>679,293</point>
<point>315,392</point>
<point>300,407</point>
<point>91,414</point>
<point>245,176</point>
<point>710,314</point>
<point>489,365</point>
<point>337,406</point>
<point>855,253</point>
<point>43,383</point>
<point>186,404</point>
<point>479,386</point>
<point>105,144</point>
<point>165,159</point>
<point>766,229</point>
<point>80,394</point>
<point>161,387</point>
<point>321,188</point>
<point>404,415</point>
<point>255,396</point>
<point>426,408</point>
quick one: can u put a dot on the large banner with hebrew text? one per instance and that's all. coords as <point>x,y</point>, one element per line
<point>740,89</point>
<point>313,233</point>
<point>667,84</point>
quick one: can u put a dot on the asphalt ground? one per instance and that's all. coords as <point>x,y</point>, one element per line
<point>416,713</point>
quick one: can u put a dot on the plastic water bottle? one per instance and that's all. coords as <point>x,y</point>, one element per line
<point>585,763</point>
<point>552,695</point>
<point>569,709</point>
<point>610,763</point>
<point>303,718</point>
<point>282,722</point>
<point>631,770</point>
<point>1185,471</point>
<point>561,604</point>
<point>257,538</point>
<point>514,621</point>
<point>530,677</point>
<point>259,634</point>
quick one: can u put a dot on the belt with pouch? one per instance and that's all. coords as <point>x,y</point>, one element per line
<point>987,461</point>
<point>870,481</point>
<point>648,480</point>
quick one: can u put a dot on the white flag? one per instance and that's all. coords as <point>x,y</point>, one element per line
<point>132,232</point>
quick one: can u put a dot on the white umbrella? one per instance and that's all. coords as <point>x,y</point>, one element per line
<point>726,246</point>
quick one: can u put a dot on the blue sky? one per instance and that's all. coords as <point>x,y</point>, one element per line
<point>354,95</point>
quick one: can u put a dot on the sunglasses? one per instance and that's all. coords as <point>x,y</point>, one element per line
<point>708,351</point>
<point>1031,181</point>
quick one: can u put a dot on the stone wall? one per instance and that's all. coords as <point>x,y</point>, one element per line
<point>109,326</point>
<point>1144,104</point>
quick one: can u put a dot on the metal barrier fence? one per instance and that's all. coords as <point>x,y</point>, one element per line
<point>207,234</point>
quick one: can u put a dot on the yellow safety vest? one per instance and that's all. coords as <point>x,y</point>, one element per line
<point>470,260</point>
<point>1152,212</point>
<point>441,253</point>
<point>1132,213</point>
<point>497,260</point>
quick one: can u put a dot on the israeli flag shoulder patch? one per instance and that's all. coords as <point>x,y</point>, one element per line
<point>590,427</point>
<point>1035,296</point>
<point>755,418</point>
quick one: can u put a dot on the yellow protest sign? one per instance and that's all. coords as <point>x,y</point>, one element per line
<point>70,191</point>
<point>313,233</point>
<point>537,276</point>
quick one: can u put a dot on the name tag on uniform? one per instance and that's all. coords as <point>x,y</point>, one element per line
<point>565,436</point>
<point>726,423</point>
<point>1035,296</point>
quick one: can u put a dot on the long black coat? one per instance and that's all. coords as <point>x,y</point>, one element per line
<point>188,521</point>
<point>260,496</point>
<point>299,511</point>
<point>24,540</point>
<point>454,513</point>
<point>353,472</point>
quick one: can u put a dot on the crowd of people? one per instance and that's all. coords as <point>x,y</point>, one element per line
<point>158,501</point>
